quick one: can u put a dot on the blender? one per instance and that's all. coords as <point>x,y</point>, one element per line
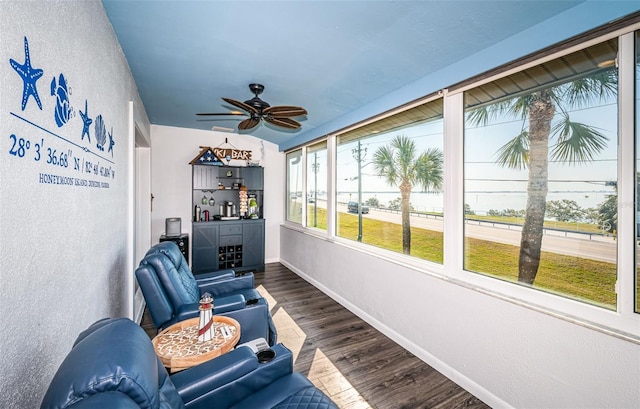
<point>253,207</point>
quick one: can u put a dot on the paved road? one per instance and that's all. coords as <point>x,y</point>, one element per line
<point>600,248</point>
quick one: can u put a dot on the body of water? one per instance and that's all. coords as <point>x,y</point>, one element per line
<point>480,202</point>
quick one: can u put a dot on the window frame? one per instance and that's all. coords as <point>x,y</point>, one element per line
<point>287,184</point>
<point>623,322</point>
<point>306,151</point>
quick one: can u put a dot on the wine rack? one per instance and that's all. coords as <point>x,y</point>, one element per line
<point>229,257</point>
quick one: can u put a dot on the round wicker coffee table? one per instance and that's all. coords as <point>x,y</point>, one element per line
<point>178,347</point>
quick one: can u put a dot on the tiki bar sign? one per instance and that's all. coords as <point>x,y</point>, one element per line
<point>218,156</point>
<point>227,154</point>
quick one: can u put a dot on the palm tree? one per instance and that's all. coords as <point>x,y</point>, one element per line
<point>542,131</point>
<point>399,164</point>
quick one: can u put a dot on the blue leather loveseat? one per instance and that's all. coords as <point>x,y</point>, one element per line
<point>113,365</point>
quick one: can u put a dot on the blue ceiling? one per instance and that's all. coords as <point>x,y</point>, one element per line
<point>341,60</point>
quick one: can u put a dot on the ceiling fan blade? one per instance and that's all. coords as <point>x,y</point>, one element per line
<point>283,122</point>
<point>285,111</point>
<point>248,123</point>
<point>241,105</point>
<point>222,113</point>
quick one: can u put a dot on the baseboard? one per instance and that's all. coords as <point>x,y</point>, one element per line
<point>462,380</point>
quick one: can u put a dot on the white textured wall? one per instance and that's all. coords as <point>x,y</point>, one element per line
<point>507,355</point>
<point>172,150</point>
<point>63,248</point>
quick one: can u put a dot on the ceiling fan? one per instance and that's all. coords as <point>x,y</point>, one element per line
<point>258,109</point>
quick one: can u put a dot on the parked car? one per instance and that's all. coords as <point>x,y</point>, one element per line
<point>352,207</point>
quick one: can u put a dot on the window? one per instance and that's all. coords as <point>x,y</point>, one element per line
<point>540,176</point>
<point>294,199</point>
<point>389,177</point>
<point>541,194</point>
<point>317,186</point>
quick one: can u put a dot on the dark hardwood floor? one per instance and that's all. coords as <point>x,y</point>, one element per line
<point>356,365</point>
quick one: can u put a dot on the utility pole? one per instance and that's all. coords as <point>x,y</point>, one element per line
<point>359,156</point>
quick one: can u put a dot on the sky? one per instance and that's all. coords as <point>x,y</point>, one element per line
<point>487,185</point>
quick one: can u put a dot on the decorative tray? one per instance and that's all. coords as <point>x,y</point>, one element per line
<point>178,347</point>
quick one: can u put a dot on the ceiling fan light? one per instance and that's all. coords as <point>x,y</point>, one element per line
<point>257,110</point>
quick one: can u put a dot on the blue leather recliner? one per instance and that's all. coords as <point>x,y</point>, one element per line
<point>113,365</point>
<point>172,293</point>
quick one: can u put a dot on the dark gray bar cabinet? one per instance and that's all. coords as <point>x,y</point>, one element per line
<point>221,240</point>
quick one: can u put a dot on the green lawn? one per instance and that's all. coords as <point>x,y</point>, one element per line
<point>549,224</point>
<point>578,278</point>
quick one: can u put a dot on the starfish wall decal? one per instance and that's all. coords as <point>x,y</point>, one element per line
<point>86,121</point>
<point>111,142</point>
<point>29,76</point>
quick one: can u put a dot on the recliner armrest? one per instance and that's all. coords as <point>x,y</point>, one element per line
<point>215,275</point>
<point>109,399</point>
<point>198,381</point>
<point>225,284</point>
<point>231,377</point>
<point>228,303</point>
